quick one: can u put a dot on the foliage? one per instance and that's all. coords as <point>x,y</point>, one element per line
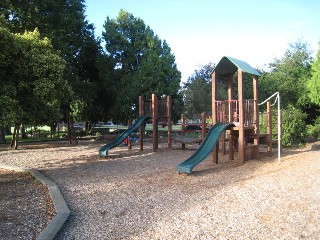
<point>247,86</point>
<point>313,131</point>
<point>142,63</point>
<point>288,76</point>
<point>293,125</point>
<point>314,82</point>
<point>177,107</point>
<point>73,37</point>
<point>197,92</point>
<point>31,79</point>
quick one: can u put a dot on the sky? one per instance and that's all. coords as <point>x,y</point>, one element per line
<point>203,31</point>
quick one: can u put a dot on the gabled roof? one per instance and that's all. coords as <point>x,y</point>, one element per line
<point>228,66</point>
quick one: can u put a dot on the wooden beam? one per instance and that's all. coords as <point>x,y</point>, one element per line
<point>230,97</point>
<point>128,138</point>
<point>182,129</point>
<point>169,123</point>
<point>154,122</point>
<point>214,95</point>
<point>214,113</point>
<point>241,145</point>
<point>141,113</point>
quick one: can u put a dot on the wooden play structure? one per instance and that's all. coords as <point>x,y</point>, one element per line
<point>160,112</point>
<point>156,110</point>
<point>245,137</point>
<point>199,128</point>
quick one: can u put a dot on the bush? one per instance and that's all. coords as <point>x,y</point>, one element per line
<point>293,126</point>
<point>313,131</point>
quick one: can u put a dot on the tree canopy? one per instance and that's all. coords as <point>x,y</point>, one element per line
<point>197,92</point>
<point>63,22</point>
<point>288,76</point>
<point>31,75</point>
<point>142,63</point>
<point>314,82</point>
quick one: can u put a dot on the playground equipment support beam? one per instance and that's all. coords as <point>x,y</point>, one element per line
<point>214,114</point>
<point>154,122</point>
<point>241,145</point>
<point>141,113</point>
<point>169,122</point>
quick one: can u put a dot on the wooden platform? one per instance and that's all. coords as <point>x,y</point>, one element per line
<point>185,140</point>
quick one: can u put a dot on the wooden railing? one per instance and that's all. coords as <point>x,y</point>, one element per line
<point>228,111</point>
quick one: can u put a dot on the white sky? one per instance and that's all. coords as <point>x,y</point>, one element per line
<point>204,31</point>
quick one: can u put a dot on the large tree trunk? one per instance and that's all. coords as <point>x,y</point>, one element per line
<point>70,130</point>
<point>88,127</point>
<point>53,128</point>
<point>15,137</point>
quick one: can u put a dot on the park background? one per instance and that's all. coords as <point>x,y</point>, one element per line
<point>89,61</point>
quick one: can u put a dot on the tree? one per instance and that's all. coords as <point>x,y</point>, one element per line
<point>314,82</point>
<point>197,91</point>
<point>288,76</point>
<point>143,64</point>
<point>31,76</point>
<point>63,21</point>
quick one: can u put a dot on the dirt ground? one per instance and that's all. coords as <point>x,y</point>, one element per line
<point>25,206</point>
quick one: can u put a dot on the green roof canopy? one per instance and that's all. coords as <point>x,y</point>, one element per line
<point>228,66</point>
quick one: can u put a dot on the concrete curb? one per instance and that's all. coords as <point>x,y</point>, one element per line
<point>60,204</point>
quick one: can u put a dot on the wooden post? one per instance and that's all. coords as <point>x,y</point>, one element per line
<point>128,139</point>
<point>214,114</point>
<point>230,97</point>
<point>223,119</point>
<point>154,122</point>
<point>241,118</point>
<point>183,146</point>
<point>230,132</point>
<point>141,113</point>
<point>256,114</point>
<point>269,127</point>
<point>203,126</point>
<point>169,122</point>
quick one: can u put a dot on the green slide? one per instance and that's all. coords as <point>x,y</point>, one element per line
<point>103,151</point>
<point>205,149</point>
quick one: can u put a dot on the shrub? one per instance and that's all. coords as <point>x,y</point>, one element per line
<point>293,126</point>
<point>313,131</point>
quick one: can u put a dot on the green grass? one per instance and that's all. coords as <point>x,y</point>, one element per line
<point>148,128</point>
<point>42,134</point>
<point>34,139</point>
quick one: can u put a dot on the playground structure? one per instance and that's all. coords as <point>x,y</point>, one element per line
<point>151,109</point>
<point>186,128</point>
<point>243,113</point>
<point>240,118</point>
<point>160,111</point>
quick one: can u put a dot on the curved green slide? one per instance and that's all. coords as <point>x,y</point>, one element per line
<point>103,151</point>
<point>205,149</point>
